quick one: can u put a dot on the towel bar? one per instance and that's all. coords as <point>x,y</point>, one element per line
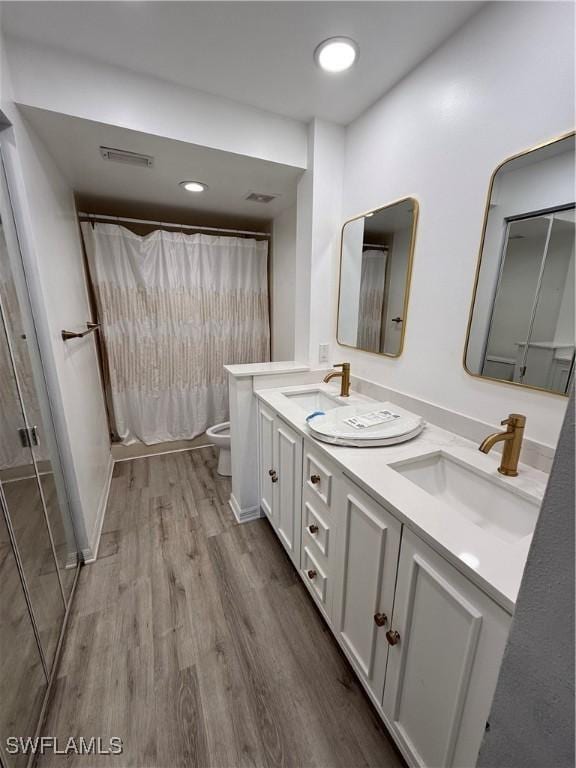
<point>66,335</point>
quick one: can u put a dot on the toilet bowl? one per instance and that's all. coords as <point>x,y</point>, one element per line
<point>219,434</point>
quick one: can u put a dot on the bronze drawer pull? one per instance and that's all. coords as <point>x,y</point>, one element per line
<point>393,637</point>
<point>380,619</point>
<point>312,573</point>
<point>313,528</point>
<point>315,479</point>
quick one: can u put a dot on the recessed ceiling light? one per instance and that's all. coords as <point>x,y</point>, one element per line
<point>194,186</point>
<point>337,54</point>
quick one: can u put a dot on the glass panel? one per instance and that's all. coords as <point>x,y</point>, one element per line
<point>21,489</point>
<point>43,445</point>
<point>513,307</point>
<point>22,678</point>
<point>551,344</point>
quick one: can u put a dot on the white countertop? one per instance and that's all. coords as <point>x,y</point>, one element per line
<point>266,369</point>
<point>494,565</point>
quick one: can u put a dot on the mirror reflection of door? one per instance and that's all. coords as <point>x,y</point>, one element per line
<point>375,263</point>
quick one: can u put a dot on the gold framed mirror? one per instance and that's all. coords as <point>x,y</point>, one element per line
<point>376,255</point>
<point>521,323</point>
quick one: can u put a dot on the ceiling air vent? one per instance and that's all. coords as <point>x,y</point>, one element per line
<point>128,158</point>
<point>257,197</point>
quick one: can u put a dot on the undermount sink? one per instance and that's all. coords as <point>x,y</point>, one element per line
<point>313,400</point>
<point>488,502</point>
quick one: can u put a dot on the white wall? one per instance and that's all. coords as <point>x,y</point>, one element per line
<point>323,199</point>
<point>46,217</point>
<point>63,82</point>
<point>504,83</point>
<point>283,284</point>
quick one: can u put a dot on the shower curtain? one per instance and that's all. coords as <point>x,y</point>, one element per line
<point>174,309</point>
<point>371,305</point>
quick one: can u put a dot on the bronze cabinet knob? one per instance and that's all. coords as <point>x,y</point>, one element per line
<point>313,528</point>
<point>393,637</point>
<point>271,472</point>
<point>274,478</point>
<point>312,573</point>
<point>315,479</point>
<point>380,619</point>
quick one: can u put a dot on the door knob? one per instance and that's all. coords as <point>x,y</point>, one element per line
<point>313,528</point>
<point>380,619</point>
<point>315,479</point>
<point>312,573</point>
<point>393,637</point>
<point>396,319</point>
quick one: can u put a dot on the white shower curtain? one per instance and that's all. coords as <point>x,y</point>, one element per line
<point>371,305</point>
<point>175,309</point>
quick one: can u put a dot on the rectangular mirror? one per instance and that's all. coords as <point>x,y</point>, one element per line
<point>375,267</point>
<point>521,326</point>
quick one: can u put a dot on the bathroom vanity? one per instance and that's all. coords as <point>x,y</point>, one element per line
<point>413,553</point>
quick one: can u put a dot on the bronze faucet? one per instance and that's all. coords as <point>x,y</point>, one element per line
<point>512,443</point>
<point>343,375</point>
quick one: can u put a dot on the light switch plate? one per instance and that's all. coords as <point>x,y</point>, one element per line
<point>323,353</point>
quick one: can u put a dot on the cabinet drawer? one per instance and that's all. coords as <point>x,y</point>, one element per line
<point>315,531</point>
<point>315,577</point>
<point>318,479</point>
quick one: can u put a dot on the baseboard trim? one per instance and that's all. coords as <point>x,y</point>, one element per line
<point>244,515</point>
<point>90,553</point>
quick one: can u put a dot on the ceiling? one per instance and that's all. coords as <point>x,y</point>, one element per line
<point>74,144</point>
<point>258,53</point>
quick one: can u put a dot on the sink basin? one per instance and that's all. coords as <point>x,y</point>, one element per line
<point>311,400</point>
<point>488,502</point>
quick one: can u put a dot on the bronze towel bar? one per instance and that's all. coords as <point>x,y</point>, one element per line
<point>66,335</point>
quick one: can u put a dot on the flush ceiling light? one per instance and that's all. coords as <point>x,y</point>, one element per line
<point>194,186</point>
<point>337,54</point>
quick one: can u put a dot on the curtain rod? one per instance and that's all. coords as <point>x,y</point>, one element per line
<point>93,216</point>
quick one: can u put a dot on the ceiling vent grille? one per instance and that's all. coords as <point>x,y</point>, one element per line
<point>258,197</point>
<point>128,158</point>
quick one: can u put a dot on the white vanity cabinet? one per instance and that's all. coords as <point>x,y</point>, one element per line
<point>443,666</point>
<point>368,546</point>
<point>424,640</point>
<point>280,478</point>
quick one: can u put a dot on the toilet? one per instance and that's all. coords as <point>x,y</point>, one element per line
<point>219,434</point>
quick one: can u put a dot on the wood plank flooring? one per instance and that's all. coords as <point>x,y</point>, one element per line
<point>193,640</point>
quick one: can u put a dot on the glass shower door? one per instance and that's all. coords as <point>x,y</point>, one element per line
<point>26,516</point>
<point>23,680</point>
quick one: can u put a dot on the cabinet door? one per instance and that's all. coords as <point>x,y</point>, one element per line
<point>266,460</point>
<point>288,490</point>
<point>368,554</point>
<point>442,672</point>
